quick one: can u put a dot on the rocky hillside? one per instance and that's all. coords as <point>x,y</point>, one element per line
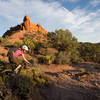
<point>17,33</point>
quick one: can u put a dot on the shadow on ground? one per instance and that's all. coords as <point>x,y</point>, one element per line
<point>61,93</point>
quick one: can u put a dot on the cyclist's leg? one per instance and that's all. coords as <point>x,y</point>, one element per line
<point>18,63</point>
<point>17,69</point>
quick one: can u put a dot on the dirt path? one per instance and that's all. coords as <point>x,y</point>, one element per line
<point>72,84</point>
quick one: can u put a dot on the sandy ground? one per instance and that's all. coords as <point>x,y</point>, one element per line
<point>68,86</point>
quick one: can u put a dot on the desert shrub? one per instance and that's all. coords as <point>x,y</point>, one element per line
<point>30,43</point>
<point>1,39</point>
<point>29,35</point>
<point>47,51</point>
<point>39,46</point>
<point>10,96</point>
<point>64,41</point>
<point>1,81</point>
<point>24,83</point>
<point>75,57</point>
<point>41,59</point>
<point>42,51</point>
<point>63,58</point>
<point>40,79</point>
<point>25,72</point>
<point>51,51</point>
<point>90,52</point>
<point>35,72</point>
<point>49,59</point>
<point>5,42</point>
<point>46,59</point>
<point>66,44</point>
<point>3,64</point>
<point>51,38</point>
<point>1,68</point>
<point>17,44</point>
<point>20,85</point>
<point>24,86</point>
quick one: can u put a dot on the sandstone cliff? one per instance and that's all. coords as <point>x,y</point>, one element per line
<point>27,25</point>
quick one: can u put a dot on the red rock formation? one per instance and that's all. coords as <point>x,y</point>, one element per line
<point>41,29</point>
<point>26,26</point>
<point>26,23</point>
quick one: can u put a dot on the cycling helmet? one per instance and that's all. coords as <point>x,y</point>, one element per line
<point>24,47</point>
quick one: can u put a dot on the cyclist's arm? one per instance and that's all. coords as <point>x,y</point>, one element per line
<point>25,58</point>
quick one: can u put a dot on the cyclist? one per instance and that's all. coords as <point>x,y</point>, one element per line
<point>17,57</point>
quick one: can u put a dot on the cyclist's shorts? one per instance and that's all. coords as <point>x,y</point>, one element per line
<point>14,60</point>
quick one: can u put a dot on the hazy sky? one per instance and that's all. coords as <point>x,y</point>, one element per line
<point>81,17</point>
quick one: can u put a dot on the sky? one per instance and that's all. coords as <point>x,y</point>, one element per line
<point>81,17</point>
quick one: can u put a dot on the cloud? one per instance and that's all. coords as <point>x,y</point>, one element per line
<point>70,0</point>
<point>95,3</point>
<point>73,1</point>
<point>87,26</point>
<point>84,25</point>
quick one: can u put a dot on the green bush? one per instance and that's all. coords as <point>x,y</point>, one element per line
<point>35,72</point>
<point>23,86</point>
<point>42,51</point>
<point>66,44</point>
<point>20,85</point>
<point>90,52</point>
<point>5,42</point>
<point>29,35</point>
<point>51,36</point>
<point>30,43</point>
<point>40,81</point>
<point>63,58</point>
<point>25,72</point>
<point>75,57</point>
<point>47,51</point>
<point>4,65</point>
<point>39,46</point>
<point>64,41</point>
<point>1,81</point>
<point>1,39</point>
<point>17,44</point>
<point>1,68</point>
<point>46,59</point>
<point>38,78</point>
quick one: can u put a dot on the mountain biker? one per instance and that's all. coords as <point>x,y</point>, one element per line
<point>18,56</point>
